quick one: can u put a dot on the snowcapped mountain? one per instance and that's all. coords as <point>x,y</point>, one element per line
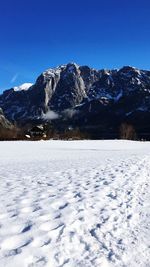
<point>82,96</point>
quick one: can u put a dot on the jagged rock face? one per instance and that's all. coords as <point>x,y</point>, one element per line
<point>4,123</point>
<point>70,89</point>
<point>55,89</point>
<point>92,95</point>
<point>89,76</point>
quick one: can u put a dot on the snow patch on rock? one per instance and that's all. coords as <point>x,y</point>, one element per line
<point>24,86</point>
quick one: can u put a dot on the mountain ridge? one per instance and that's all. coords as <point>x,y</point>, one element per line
<point>82,97</point>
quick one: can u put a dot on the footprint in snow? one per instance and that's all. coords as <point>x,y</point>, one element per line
<point>15,242</point>
<point>63,206</point>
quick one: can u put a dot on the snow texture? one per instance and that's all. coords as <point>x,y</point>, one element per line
<point>24,86</point>
<point>75,204</point>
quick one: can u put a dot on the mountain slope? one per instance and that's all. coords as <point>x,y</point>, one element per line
<point>4,123</point>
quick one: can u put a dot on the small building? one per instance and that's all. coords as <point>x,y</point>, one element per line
<point>37,132</point>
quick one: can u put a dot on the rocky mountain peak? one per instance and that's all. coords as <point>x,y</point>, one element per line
<point>81,90</point>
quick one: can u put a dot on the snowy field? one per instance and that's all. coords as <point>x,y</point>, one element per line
<point>75,204</point>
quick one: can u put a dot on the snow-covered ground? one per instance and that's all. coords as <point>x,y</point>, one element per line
<point>75,204</point>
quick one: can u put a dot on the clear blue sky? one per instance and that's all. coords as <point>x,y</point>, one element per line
<point>36,35</point>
